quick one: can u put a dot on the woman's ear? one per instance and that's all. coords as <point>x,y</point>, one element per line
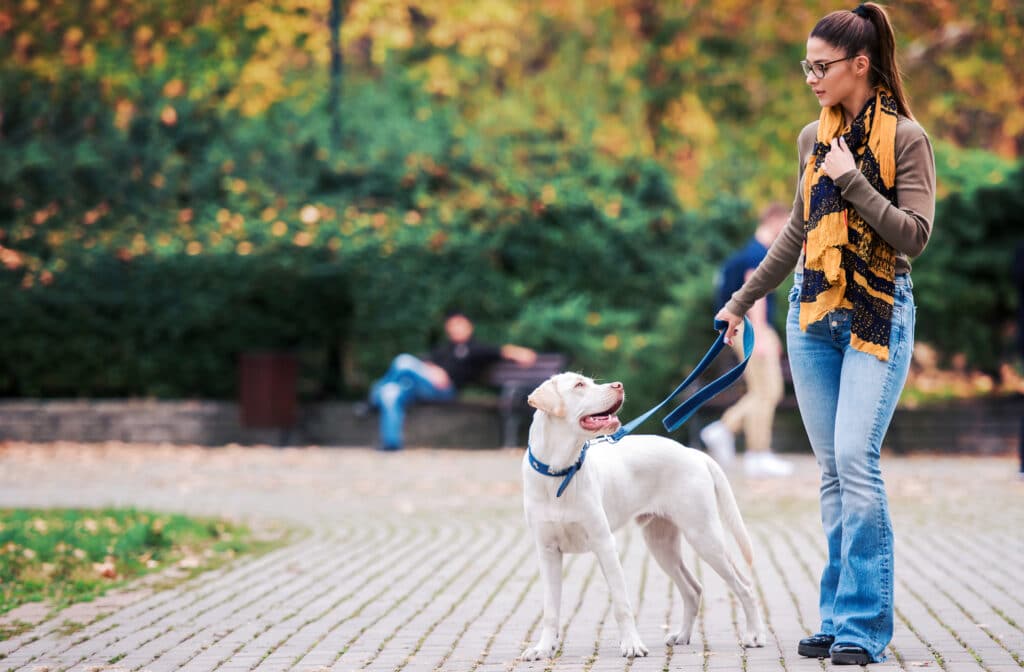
<point>546,398</point>
<point>862,65</point>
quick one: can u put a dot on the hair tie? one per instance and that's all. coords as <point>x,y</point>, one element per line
<point>860,11</point>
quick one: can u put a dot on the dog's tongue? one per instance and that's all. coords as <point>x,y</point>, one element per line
<point>594,422</point>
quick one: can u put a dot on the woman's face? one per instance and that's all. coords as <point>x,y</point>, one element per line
<point>840,80</point>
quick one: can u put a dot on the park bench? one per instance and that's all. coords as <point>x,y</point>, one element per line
<point>515,382</point>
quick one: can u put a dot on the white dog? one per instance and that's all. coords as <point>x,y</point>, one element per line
<point>670,490</point>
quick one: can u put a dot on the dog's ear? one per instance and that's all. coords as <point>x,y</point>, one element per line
<point>546,398</point>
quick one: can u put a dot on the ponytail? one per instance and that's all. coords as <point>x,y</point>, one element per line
<point>886,66</point>
<point>867,28</point>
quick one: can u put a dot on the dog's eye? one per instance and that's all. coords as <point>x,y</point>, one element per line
<point>580,385</point>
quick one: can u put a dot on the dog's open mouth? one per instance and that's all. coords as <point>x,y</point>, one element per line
<point>606,419</point>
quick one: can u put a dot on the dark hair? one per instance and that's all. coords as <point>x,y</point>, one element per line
<point>867,29</point>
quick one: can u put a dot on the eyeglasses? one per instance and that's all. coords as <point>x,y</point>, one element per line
<point>819,69</point>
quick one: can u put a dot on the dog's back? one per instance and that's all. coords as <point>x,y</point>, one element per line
<point>647,474</point>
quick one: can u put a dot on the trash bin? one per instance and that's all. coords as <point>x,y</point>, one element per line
<point>267,389</point>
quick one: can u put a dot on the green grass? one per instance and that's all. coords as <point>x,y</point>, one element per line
<point>66,556</point>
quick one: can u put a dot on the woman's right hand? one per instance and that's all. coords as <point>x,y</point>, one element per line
<point>734,323</point>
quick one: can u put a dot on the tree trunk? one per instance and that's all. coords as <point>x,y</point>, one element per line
<point>334,96</point>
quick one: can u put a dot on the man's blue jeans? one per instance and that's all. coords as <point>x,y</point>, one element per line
<point>404,383</point>
<point>847,399</point>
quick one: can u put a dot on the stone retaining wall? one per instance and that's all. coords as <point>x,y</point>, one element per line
<point>215,423</point>
<point>976,427</point>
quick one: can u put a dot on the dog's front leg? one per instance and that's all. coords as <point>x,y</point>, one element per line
<point>630,644</point>
<point>551,577</point>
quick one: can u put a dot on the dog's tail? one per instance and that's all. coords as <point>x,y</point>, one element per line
<point>729,511</point>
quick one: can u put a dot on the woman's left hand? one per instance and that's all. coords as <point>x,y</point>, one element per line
<point>839,159</point>
<point>733,322</point>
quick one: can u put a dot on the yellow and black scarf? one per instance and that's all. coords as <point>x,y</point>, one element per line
<point>846,263</point>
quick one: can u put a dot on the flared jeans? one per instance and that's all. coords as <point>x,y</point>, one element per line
<point>847,399</point>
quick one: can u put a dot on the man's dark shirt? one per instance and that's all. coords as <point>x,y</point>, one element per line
<point>734,272</point>
<point>465,362</point>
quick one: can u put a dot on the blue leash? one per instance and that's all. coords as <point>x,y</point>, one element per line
<point>684,411</point>
<point>681,413</point>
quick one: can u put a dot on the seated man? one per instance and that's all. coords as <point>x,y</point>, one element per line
<point>459,360</point>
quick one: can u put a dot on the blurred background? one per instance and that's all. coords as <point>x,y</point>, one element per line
<point>183,182</point>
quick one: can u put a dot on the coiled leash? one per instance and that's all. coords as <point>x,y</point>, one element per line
<point>681,413</point>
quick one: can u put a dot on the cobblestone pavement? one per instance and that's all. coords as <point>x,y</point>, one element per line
<point>420,561</point>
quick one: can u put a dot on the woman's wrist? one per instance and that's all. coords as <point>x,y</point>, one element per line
<point>737,307</point>
<point>846,178</point>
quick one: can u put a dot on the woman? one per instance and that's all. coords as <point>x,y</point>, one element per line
<point>864,205</point>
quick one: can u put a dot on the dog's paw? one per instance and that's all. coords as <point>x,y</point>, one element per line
<point>632,648</point>
<point>540,651</point>
<point>754,640</point>
<point>677,638</point>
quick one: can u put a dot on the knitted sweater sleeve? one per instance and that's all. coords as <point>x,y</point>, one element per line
<point>785,251</point>
<point>908,226</point>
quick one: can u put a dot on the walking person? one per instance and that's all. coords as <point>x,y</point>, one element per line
<point>864,206</point>
<point>754,412</point>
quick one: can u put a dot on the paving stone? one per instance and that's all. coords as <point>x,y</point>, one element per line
<point>420,561</point>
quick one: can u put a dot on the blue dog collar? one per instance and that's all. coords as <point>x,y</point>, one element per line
<point>542,468</point>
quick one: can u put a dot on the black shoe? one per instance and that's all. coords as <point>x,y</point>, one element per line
<point>850,654</point>
<point>815,647</point>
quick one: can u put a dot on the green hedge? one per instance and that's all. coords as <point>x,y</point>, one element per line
<point>171,327</point>
<point>963,285</point>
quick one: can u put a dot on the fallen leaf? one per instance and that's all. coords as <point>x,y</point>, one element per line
<point>189,562</point>
<point>107,569</point>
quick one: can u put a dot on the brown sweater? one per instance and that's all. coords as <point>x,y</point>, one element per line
<point>906,228</point>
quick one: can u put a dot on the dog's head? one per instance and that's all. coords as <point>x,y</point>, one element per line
<point>580,401</point>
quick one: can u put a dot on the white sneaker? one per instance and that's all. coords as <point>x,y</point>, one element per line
<point>759,465</point>
<point>720,442</point>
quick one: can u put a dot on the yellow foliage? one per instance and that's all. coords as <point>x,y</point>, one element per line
<point>614,137</point>
<point>548,194</point>
<point>688,117</point>
<point>624,55</point>
<point>439,78</point>
<point>124,111</point>
<point>295,39</point>
<point>484,28</point>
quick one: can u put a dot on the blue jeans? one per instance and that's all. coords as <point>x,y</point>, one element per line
<point>404,383</point>
<point>847,399</point>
